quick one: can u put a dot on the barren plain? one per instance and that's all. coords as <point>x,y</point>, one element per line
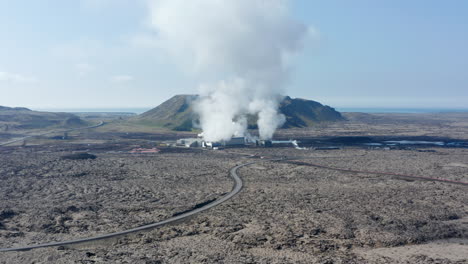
<point>288,212</point>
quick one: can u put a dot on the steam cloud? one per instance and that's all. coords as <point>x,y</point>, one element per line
<point>240,48</point>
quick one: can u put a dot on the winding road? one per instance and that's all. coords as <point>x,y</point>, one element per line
<point>238,184</point>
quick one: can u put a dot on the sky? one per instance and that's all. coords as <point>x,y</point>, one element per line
<point>361,53</point>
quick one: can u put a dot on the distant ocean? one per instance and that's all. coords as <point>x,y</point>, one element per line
<point>402,110</point>
<point>95,110</point>
<point>341,109</point>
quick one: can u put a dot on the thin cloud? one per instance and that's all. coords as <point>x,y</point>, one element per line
<point>95,4</point>
<point>122,78</point>
<point>78,50</point>
<point>103,4</point>
<point>143,40</point>
<point>16,78</point>
<point>84,68</point>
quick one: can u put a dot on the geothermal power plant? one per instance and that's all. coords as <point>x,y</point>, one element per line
<point>233,170</point>
<point>235,142</point>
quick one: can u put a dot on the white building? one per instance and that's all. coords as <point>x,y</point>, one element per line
<point>237,141</point>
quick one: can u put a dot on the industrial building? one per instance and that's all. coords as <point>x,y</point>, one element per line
<point>199,142</point>
<point>264,143</point>
<point>209,144</point>
<point>237,141</point>
<point>240,142</point>
<point>233,142</point>
<point>190,142</point>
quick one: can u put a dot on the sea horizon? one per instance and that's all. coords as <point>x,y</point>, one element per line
<point>140,110</point>
<point>136,110</point>
<point>400,110</point>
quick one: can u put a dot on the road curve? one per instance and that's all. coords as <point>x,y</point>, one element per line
<point>238,184</point>
<point>52,132</point>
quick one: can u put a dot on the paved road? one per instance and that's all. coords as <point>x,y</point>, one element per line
<point>51,132</point>
<point>238,184</point>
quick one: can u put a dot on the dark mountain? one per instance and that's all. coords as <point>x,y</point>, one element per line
<point>24,118</point>
<point>305,113</point>
<point>177,114</point>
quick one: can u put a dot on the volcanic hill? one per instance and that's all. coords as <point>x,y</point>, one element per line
<point>24,118</point>
<point>177,113</point>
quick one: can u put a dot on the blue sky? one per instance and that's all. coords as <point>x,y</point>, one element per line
<point>365,53</point>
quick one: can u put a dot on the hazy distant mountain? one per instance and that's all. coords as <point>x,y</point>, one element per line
<point>24,118</point>
<point>177,114</point>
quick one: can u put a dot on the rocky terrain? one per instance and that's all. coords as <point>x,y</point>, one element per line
<point>49,196</point>
<point>287,213</point>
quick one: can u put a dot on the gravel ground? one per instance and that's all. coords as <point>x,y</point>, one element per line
<point>44,198</point>
<point>286,213</point>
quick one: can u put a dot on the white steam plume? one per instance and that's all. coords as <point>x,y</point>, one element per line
<point>241,48</point>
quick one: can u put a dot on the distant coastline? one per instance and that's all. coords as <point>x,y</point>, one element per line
<point>95,110</point>
<point>401,110</point>
<point>340,109</point>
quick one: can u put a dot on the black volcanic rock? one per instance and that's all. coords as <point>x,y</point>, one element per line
<point>177,113</point>
<point>78,156</point>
